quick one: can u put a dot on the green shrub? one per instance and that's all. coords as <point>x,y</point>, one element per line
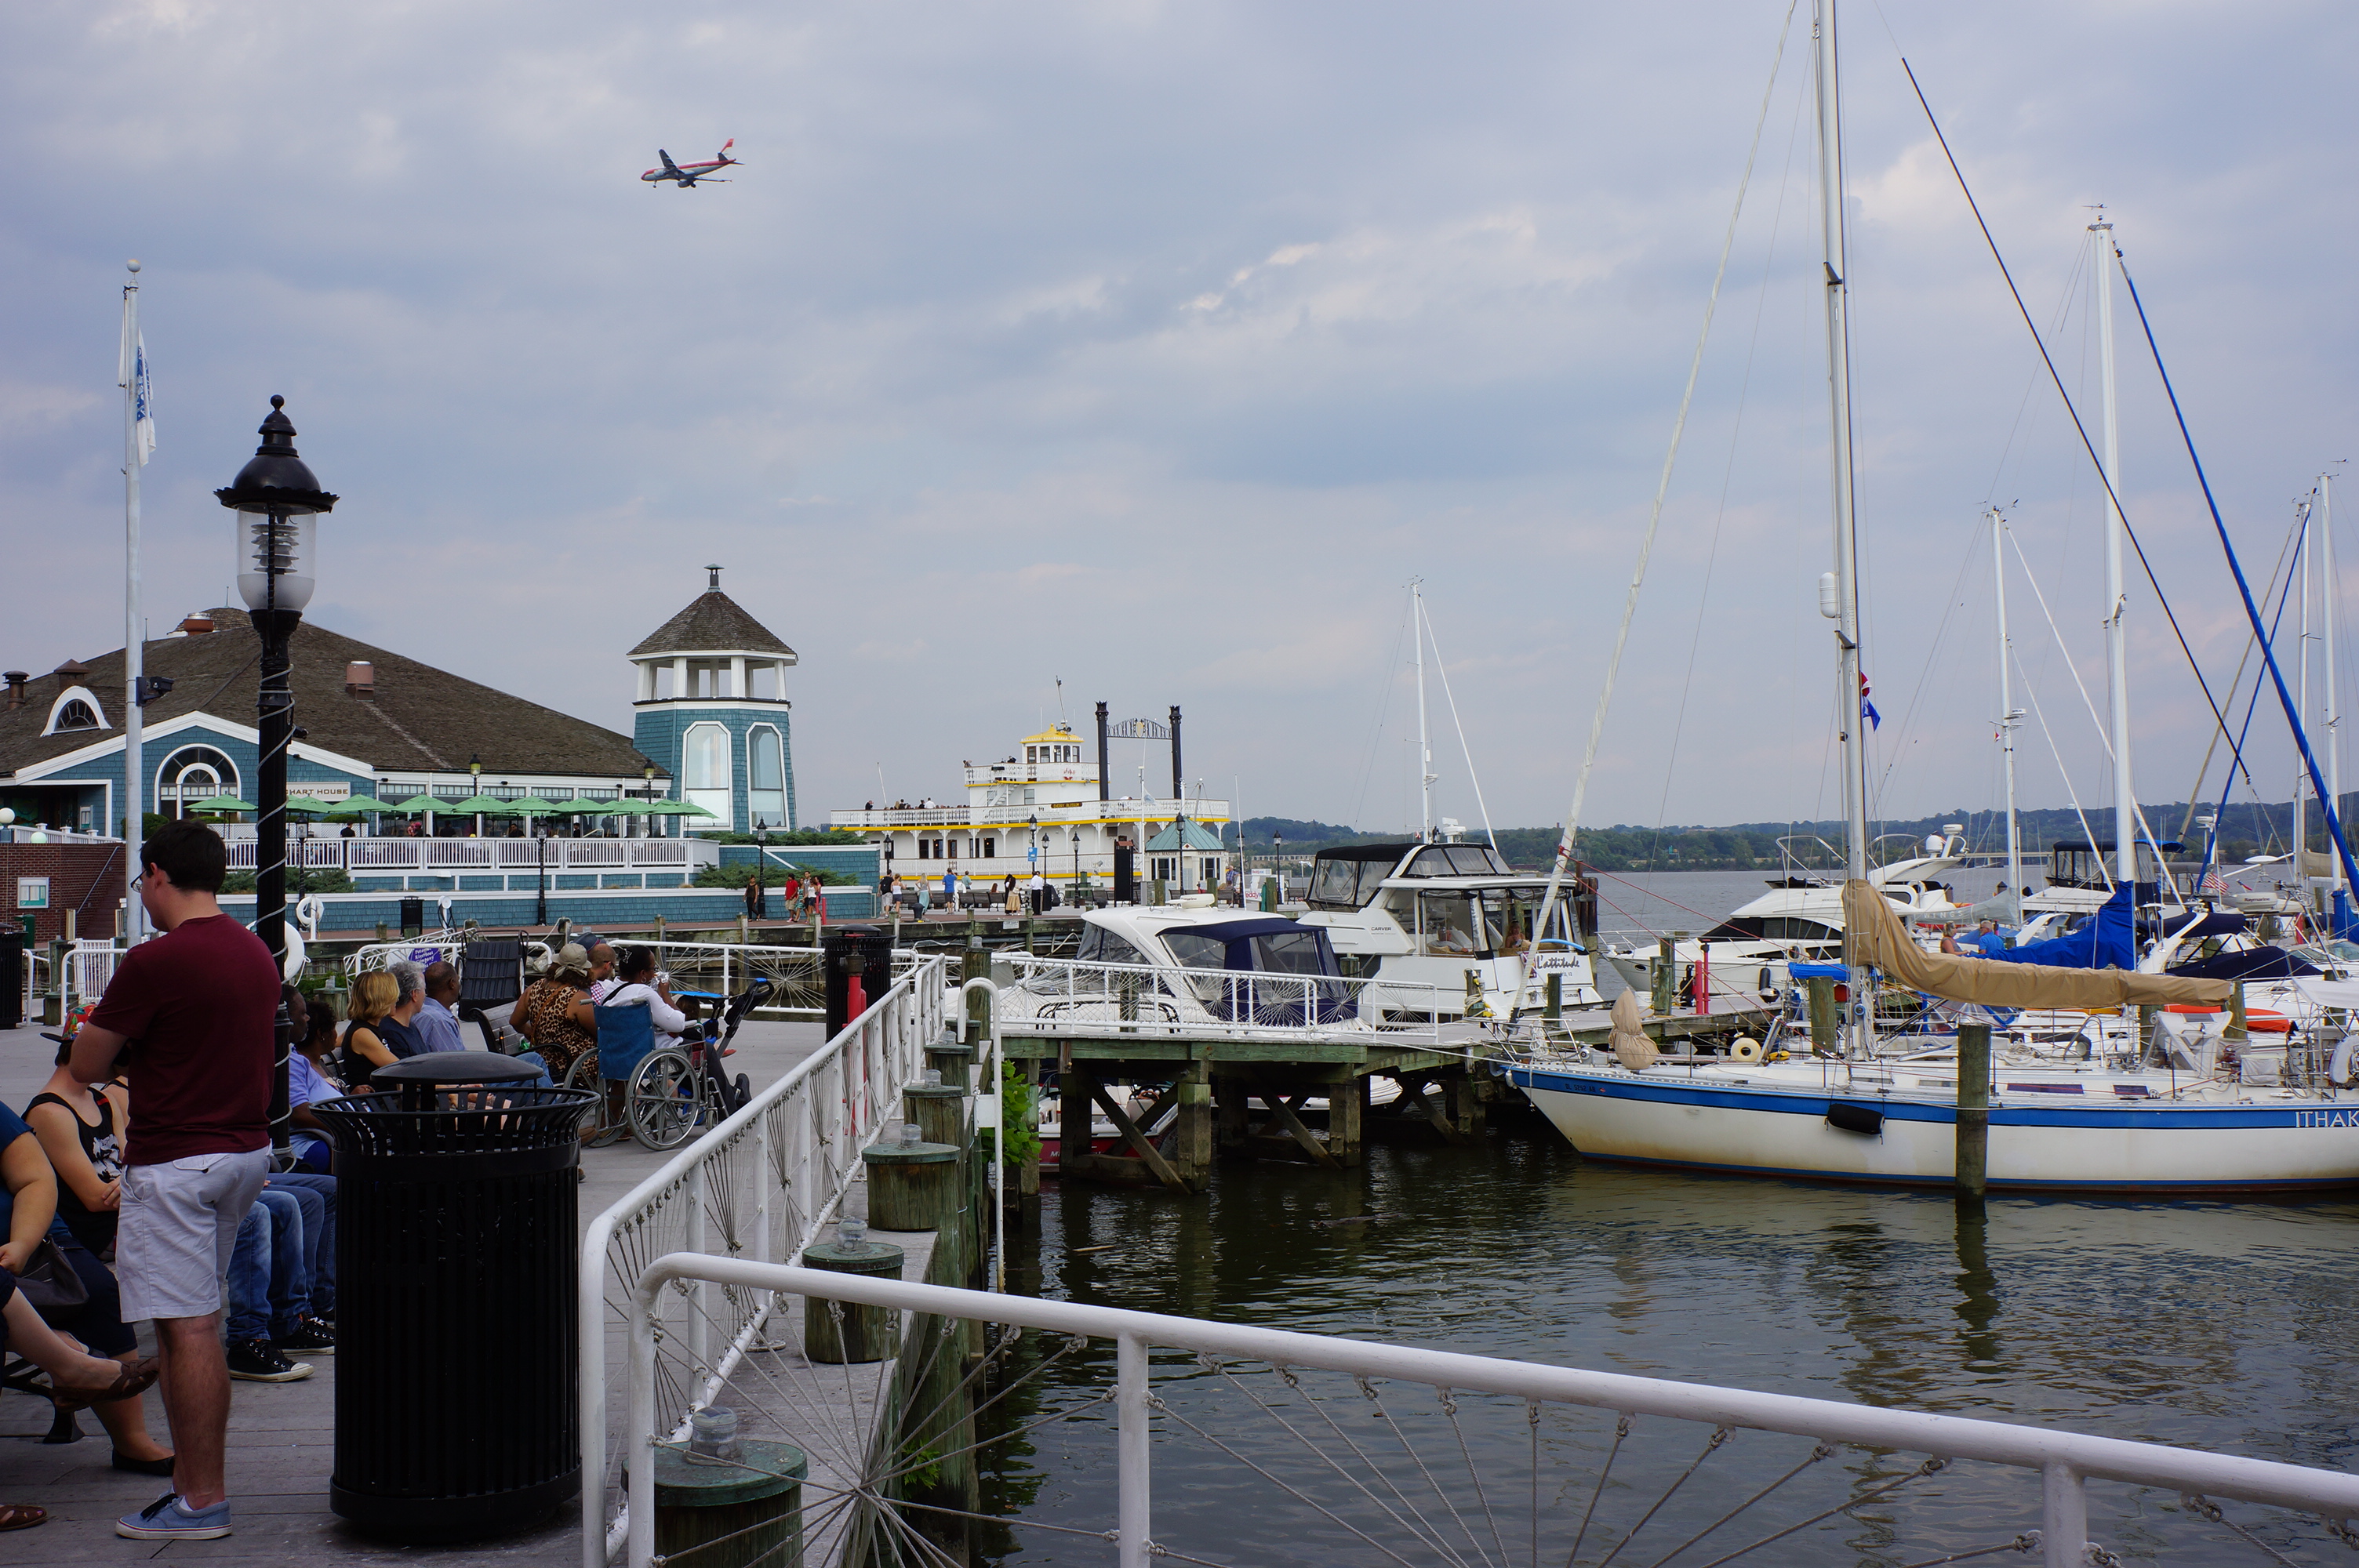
<point>773,875</point>
<point>1020,1117</point>
<point>310,881</point>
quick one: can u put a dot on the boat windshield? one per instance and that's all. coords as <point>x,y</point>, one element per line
<point>1456,861</point>
<point>1299,952</point>
<point>1484,924</point>
<point>1348,885</point>
<point>1099,946</point>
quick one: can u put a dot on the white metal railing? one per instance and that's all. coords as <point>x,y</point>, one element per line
<point>432,855</point>
<point>760,1185</point>
<point>21,834</point>
<point>90,965</point>
<point>1412,1485</point>
<point>716,968</point>
<point>911,817</point>
<point>1068,996</point>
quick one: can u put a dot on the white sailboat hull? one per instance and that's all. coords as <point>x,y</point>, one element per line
<point>2281,1144</point>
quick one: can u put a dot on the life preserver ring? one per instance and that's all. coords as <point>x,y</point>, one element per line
<point>307,910</point>
<point>1746,1049</point>
<point>2339,1067</point>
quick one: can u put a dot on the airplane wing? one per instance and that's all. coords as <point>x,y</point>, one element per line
<point>670,166</point>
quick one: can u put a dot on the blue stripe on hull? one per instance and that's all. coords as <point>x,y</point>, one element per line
<point>1853,1178</point>
<point>1795,1102</point>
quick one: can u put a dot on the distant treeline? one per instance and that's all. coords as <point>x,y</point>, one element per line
<point>2245,831</point>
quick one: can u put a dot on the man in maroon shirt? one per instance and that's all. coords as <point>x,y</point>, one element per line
<point>195,1007</point>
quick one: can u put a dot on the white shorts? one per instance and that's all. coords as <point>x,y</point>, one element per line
<point>178,1227</point>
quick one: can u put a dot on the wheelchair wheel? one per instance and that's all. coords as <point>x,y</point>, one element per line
<point>583,1075</point>
<point>664,1102</point>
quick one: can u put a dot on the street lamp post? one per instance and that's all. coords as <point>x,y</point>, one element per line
<point>647,774</point>
<point>275,500</point>
<point>475,784</point>
<point>1077,864</point>
<point>1277,863</point>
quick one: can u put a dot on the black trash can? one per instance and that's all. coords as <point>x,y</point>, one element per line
<point>457,1412</point>
<point>862,950</point>
<point>413,917</point>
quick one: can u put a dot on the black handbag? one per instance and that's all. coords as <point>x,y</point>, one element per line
<point>49,1282</point>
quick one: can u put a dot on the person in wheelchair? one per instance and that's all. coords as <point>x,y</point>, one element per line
<point>641,986</point>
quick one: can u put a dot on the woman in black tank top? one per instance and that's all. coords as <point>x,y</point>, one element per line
<point>81,1130</point>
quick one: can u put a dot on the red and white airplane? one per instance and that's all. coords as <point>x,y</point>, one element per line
<point>687,175</point>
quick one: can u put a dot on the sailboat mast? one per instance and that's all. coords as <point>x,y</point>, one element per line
<point>2325,515</point>
<point>2007,719</point>
<point>1424,746</point>
<point>2302,701</point>
<point>1832,224</point>
<point>2101,237</point>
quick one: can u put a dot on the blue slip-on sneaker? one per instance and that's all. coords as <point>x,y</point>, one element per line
<point>169,1518</point>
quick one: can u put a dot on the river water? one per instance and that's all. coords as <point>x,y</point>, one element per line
<point>2232,1326</point>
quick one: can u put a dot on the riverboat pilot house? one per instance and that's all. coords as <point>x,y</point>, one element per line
<point>1046,808</point>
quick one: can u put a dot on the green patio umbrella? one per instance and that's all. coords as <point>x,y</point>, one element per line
<point>370,803</point>
<point>220,803</point>
<point>417,804</point>
<point>310,806</point>
<point>476,805</point>
<point>533,805</point>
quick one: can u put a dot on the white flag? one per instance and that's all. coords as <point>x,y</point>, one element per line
<point>131,371</point>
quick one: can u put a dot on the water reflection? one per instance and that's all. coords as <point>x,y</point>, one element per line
<point>2224,1324</point>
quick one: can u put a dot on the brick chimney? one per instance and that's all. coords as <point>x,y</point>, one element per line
<point>15,679</point>
<point>196,622</point>
<point>360,678</point>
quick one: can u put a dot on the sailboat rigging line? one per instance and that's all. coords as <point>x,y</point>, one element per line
<point>1728,472</point>
<point>2235,684</point>
<point>1917,693</point>
<point>2088,446</point>
<point>2103,869</point>
<point>1654,514</point>
<point>1467,751</point>
<point>1384,706</point>
<point>2228,786</point>
<point>2244,590</point>
<point>2103,738</point>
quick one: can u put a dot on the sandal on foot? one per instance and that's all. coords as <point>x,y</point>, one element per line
<point>130,1380</point>
<point>22,1516</point>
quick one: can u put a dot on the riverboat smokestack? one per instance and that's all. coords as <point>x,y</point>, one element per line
<point>1176,793</point>
<point>1103,774</point>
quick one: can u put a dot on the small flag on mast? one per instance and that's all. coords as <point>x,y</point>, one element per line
<point>1875,719</point>
<point>131,372</point>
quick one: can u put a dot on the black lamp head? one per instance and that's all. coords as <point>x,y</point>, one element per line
<point>274,479</point>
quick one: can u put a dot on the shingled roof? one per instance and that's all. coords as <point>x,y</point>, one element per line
<point>712,624</point>
<point>418,717</point>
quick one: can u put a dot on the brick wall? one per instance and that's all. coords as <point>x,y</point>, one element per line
<point>84,878</point>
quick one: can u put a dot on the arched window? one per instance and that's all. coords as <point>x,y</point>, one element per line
<point>766,777</point>
<point>190,774</point>
<point>77,708</point>
<point>704,775</point>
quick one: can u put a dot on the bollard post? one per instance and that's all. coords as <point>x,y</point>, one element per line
<point>380,932</point>
<point>1974,1109</point>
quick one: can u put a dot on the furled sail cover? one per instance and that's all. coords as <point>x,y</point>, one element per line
<point>1883,943</point>
<point>2105,943</point>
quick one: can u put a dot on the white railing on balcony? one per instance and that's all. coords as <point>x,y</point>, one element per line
<point>760,1185</point>
<point>1069,997</point>
<point>22,834</point>
<point>428,857</point>
<point>914,816</point>
<point>1304,1446</point>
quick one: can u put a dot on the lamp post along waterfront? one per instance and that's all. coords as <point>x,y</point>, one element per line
<point>275,500</point>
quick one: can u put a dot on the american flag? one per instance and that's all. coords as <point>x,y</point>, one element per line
<point>2214,884</point>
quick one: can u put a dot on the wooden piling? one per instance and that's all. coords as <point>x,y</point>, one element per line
<point>1192,1150</point>
<point>1229,1095</point>
<point>1664,980</point>
<point>1555,1012</point>
<point>1073,1086</point>
<point>1347,1108</point>
<point>1974,1109</point>
<point>2237,1032</point>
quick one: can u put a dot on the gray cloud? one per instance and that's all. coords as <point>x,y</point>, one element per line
<point>1156,347</point>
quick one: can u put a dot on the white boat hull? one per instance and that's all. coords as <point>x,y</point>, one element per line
<point>2284,1144</point>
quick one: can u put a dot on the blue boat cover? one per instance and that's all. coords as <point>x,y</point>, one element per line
<point>2105,943</point>
<point>1818,971</point>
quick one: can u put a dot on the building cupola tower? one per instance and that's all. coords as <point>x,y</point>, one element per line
<point>712,709</point>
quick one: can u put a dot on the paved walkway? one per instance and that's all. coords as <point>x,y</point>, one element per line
<point>281,1434</point>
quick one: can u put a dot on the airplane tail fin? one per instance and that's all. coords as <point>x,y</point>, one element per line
<point>724,150</point>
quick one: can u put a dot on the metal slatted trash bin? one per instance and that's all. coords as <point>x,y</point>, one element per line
<point>456,1413</point>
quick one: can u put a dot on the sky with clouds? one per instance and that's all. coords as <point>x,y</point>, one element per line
<point>1155,347</point>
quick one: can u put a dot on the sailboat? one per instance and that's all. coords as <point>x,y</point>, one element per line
<point>2102,1125</point>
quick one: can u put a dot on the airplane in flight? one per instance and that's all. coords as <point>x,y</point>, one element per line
<point>687,175</point>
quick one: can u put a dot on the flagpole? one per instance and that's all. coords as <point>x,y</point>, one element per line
<point>133,645</point>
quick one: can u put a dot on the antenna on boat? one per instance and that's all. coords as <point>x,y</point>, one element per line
<point>1424,747</point>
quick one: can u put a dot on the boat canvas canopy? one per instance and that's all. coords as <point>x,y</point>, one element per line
<point>1884,944</point>
<point>2106,942</point>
